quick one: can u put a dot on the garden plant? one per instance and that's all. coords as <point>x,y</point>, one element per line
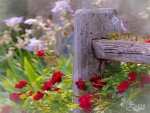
<point>37,78</point>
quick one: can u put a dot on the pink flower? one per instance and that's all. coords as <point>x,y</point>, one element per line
<point>148,41</point>
<point>15,97</point>
<point>5,109</point>
<point>80,84</point>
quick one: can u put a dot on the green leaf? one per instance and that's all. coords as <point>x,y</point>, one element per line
<point>23,96</point>
<point>26,102</point>
<point>31,73</point>
<point>105,87</point>
<point>133,95</point>
<point>39,78</point>
<point>2,58</point>
<point>72,105</point>
<point>81,92</point>
<point>47,70</point>
<point>114,69</point>
<point>106,79</point>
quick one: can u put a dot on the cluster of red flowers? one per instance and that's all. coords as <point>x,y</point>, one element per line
<point>132,76</point>
<point>85,101</point>
<point>21,84</point>
<point>56,78</point>
<point>95,81</point>
<point>125,84</point>
<point>16,96</point>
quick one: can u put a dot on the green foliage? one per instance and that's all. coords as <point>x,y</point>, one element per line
<point>52,101</point>
<point>125,87</point>
<point>65,64</point>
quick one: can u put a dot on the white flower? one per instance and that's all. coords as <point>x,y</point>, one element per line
<point>30,21</point>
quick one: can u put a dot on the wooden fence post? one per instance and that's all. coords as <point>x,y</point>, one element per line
<point>90,24</point>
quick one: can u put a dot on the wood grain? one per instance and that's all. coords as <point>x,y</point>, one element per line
<point>120,50</point>
<point>90,23</point>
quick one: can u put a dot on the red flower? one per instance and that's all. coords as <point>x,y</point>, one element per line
<point>21,84</point>
<point>85,102</point>
<point>15,97</point>
<point>148,41</point>
<point>144,80</point>
<point>96,81</point>
<point>123,86</point>
<point>47,85</point>
<point>40,53</point>
<point>6,109</point>
<point>80,84</point>
<point>56,77</point>
<point>38,95</point>
<point>132,76</point>
<point>30,93</point>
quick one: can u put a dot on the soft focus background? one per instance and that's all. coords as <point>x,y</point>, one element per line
<point>133,13</point>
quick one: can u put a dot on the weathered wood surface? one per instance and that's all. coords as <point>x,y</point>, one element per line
<point>120,50</point>
<point>90,23</point>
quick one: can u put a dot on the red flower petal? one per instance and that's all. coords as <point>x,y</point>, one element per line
<point>56,77</point>
<point>80,84</point>
<point>123,86</point>
<point>38,95</point>
<point>132,76</point>
<point>85,102</point>
<point>40,53</point>
<point>14,97</point>
<point>96,81</point>
<point>21,84</point>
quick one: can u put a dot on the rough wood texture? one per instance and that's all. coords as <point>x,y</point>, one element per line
<point>90,23</point>
<point>119,50</point>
